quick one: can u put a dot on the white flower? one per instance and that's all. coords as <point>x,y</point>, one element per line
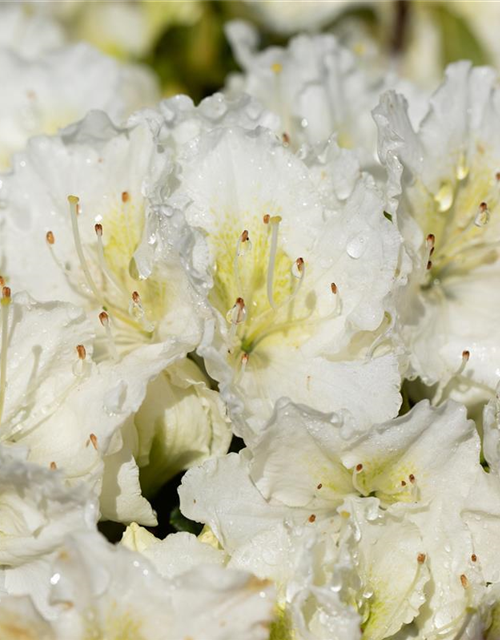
<point>448,216</point>
<point>107,251</point>
<point>130,29</point>
<point>106,591</point>
<point>37,509</point>
<point>318,88</point>
<point>299,15</point>
<point>77,205</point>
<point>176,554</point>
<point>27,30</point>
<point>307,473</point>
<point>45,94</point>
<point>181,422</point>
<point>301,260</point>
<point>69,412</point>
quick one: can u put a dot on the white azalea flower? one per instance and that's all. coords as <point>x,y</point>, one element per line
<point>37,510</point>
<point>106,591</point>
<point>106,251</point>
<point>19,619</point>
<point>301,259</point>
<point>45,94</point>
<point>28,30</point>
<point>130,29</point>
<point>176,554</point>
<point>447,212</point>
<point>181,422</point>
<point>66,410</point>
<point>299,15</point>
<point>308,472</point>
<point>85,220</point>
<point>318,88</point>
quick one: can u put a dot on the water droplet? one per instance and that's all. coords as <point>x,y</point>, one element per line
<point>357,246</point>
<point>444,197</point>
<point>55,578</point>
<point>304,123</point>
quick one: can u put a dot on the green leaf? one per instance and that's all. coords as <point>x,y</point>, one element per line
<point>181,523</point>
<point>458,41</point>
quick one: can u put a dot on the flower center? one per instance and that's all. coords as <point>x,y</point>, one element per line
<point>260,290</point>
<point>461,220</point>
<point>131,307</point>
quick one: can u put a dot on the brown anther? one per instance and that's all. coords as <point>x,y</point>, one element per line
<point>464,581</point>
<point>81,351</point>
<point>53,466</point>
<point>104,318</point>
<point>312,517</point>
<point>465,355</point>
<point>421,558</point>
<point>403,483</point>
<point>266,218</point>
<point>412,478</point>
<point>49,236</point>
<point>483,206</point>
<point>359,467</point>
<point>244,236</point>
<point>2,281</point>
<point>300,264</point>
<point>431,239</point>
<point>93,440</point>
<point>473,557</point>
<point>429,265</point>
<point>244,358</point>
<point>98,229</point>
<point>334,288</point>
<point>136,297</point>
<point>125,196</point>
<point>285,137</point>
<point>240,302</point>
<point>431,251</point>
<point>497,176</point>
<point>6,293</point>
<point>320,486</point>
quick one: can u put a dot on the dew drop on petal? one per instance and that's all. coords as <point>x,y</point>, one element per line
<point>357,246</point>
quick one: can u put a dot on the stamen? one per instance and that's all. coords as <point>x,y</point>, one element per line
<point>6,300</point>
<point>73,207</point>
<point>50,237</point>
<point>473,557</point>
<point>464,581</point>
<point>482,216</point>
<point>93,440</point>
<point>125,196</point>
<point>285,138</point>
<point>334,288</point>
<point>421,558</point>
<point>53,466</point>
<point>136,310</point>
<point>312,518</point>
<point>275,224</point>
<point>244,361</point>
<point>80,365</point>
<point>443,384</point>
<point>266,218</point>
<point>104,319</point>
<point>102,259</point>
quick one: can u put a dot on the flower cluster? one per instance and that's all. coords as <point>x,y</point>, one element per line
<point>281,302</point>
